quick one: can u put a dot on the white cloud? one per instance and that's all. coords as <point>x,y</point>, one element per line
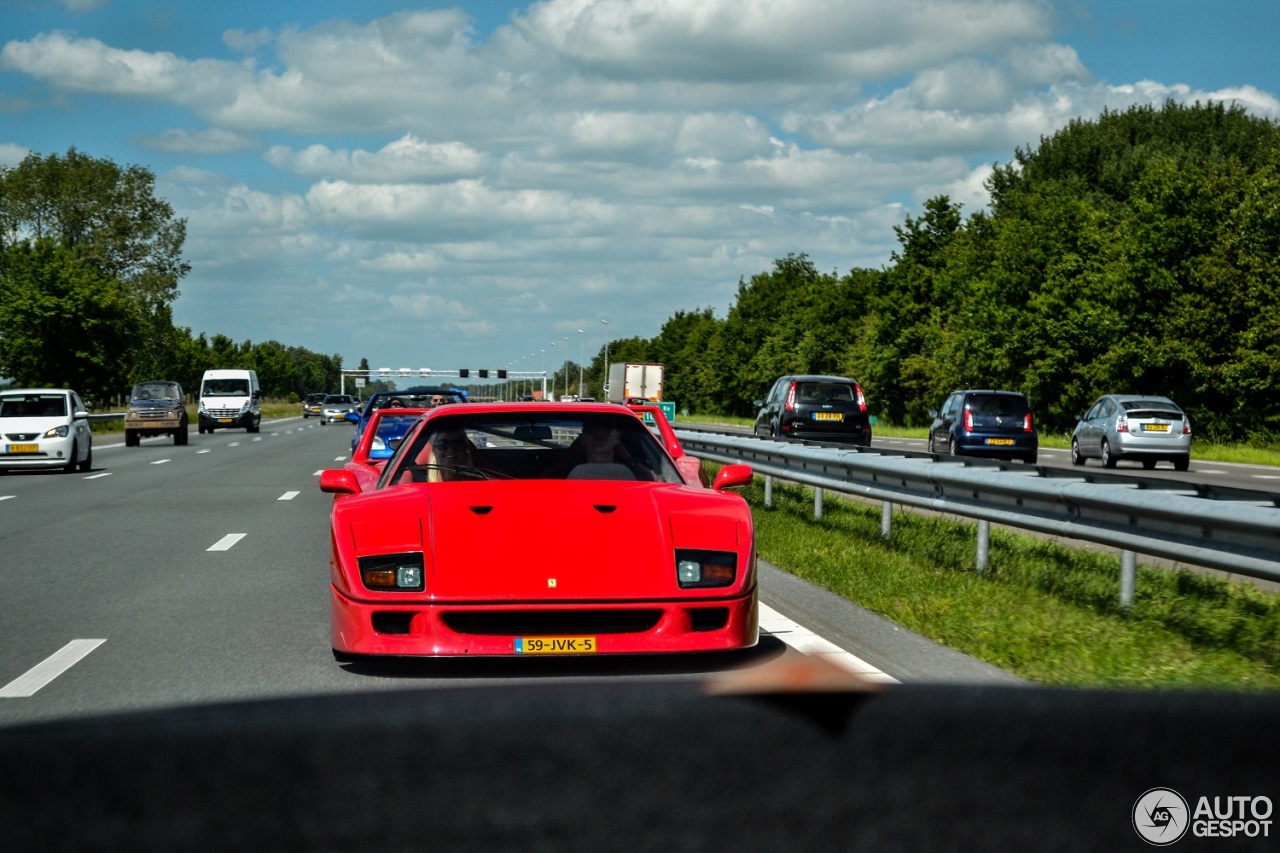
<point>211,141</point>
<point>406,159</point>
<point>12,155</point>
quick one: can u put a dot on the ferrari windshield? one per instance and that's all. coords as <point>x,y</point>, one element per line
<point>523,446</point>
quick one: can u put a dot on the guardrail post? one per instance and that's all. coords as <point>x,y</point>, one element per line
<point>886,520</point>
<point>984,545</point>
<point>768,490</point>
<point>817,503</point>
<point>1128,578</point>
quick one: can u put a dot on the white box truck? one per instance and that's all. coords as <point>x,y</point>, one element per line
<point>630,380</point>
<point>229,399</point>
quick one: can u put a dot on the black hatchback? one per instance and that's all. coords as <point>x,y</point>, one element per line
<point>815,408</point>
<point>985,423</point>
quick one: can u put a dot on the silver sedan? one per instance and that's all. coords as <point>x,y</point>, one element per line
<point>1133,426</point>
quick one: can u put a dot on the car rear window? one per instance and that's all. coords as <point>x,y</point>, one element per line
<point>1151,408</point>
<point>824,392</point>
<point>997,404</point>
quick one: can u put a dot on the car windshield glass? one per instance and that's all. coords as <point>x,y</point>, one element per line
<point>159,391</point>
<point>405,400</point>
<point>997,404</point>
<point>226,388</point>
<point>824,392</point>
<point>533,447</point>
<point>33,406</point>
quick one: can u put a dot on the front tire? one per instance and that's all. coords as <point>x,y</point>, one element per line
<point>1077,458</point>
<point>131,438</point>
<point>1108,461</point>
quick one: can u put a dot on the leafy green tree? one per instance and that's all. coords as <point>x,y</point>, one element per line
<point>64,322</point>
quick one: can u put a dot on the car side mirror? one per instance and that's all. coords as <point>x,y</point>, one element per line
<point>354,417</point>
<point>338,481</point>
<point>758,404</point>
<point>732,476</point>
<point>933,413</point>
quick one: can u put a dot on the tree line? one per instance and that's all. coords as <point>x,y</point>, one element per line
<point>1135,252</point>
<point>90,261</point>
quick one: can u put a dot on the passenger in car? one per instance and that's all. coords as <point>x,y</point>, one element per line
<point>598,444</point>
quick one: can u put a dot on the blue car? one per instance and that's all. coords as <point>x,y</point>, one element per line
<point>410,398</point>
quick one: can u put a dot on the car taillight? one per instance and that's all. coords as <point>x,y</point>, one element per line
<point>790,405</point>
<point>1186,426</point>
<point>1026,423</point>
<point>968,420</point>
<point>1122,424</point>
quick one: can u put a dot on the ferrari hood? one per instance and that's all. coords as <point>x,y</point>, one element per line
<point>566,540</point>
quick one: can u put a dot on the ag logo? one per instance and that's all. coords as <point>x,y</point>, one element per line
<point>1161,816</point>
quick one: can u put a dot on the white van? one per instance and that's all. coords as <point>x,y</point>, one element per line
<point>230,398</point>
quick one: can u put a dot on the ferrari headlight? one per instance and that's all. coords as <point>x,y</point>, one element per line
<point>57,432</point>
<point>393,572</point>
<point>705,568</point>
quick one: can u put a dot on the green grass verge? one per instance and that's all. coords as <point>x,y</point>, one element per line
<point>1043,611</point>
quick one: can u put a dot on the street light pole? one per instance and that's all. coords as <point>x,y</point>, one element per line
<point>604,380</point>
<point>566,366</point>
<point>582,354</point>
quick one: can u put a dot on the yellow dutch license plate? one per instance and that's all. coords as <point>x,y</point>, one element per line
<point>1003,442</point>
<point>225,420</point>
<point>1155,427</point>
<point>828,416</point>
<point>24,448</point>
<point>555,645</point>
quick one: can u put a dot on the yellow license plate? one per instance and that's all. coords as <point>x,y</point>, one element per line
<point>555,645</point>
<point>1003,442</point>
<point>1155,427</point>
<point>828,416</point>
<point>225,420</point>
<point>24,448</point>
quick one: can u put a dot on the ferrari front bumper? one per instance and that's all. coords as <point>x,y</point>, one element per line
<point>510,629</point>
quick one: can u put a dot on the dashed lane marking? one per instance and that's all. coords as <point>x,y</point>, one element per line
<point>47,670</point>
<point>226,543</point>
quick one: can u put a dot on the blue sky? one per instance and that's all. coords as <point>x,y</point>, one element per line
<point>465,185</point>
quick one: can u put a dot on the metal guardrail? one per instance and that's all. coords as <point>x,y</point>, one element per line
<point>1233,530</point>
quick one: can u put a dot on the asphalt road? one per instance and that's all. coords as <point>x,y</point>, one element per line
<point>201,573</point>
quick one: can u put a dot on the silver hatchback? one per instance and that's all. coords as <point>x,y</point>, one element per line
<point>1133,426</point>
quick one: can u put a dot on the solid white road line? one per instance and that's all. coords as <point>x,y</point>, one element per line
<point>227,542</point>
<point>803,640</point>
<point>288,496</point>
<point>47,670</point>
